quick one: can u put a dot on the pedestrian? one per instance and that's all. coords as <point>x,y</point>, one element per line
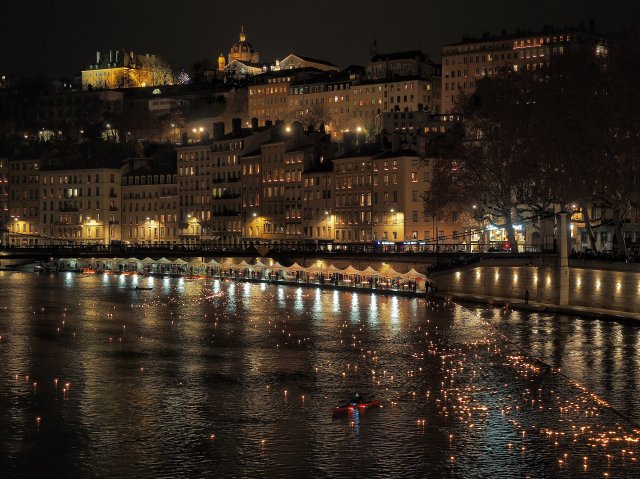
<point>526,297</point>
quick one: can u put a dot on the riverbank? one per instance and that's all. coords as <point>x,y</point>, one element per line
<point>328,286</point>
<point>518,304</point>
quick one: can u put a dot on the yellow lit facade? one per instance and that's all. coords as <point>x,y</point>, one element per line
<point>126,70</point>
<point>150,207</point>
<point>80,205</point>
<point>24,221</point>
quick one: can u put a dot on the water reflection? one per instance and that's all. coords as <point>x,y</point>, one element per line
<point>197,378</point>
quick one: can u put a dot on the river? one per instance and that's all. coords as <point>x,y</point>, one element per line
<point>198,378</point>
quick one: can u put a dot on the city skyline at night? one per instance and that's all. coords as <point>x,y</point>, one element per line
<point>61,41</point>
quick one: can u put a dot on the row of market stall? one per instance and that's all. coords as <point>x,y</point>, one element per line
<point>317,273</point>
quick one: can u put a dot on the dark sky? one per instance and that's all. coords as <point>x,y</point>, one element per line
<point>60,37</point>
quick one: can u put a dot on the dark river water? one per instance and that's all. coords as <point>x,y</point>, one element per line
<point>223,379</point>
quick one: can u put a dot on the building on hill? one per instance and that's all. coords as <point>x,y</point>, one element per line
<point>294,61</point>
<point>210,183</point>
<point>413,63</point>
<point>121,69</point>
<point>269,93</point>
<point>243,51</point>
<point>466,62</point>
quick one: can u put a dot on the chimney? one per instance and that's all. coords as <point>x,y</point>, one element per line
<point>395,142</point>
<point>185,138</point>
<point>268,123</point>
<point>205,136</point>
<point>110,56</point>
<point>218,131</point>
<point>254,124</point>
<point>236,126</point>
<point>98,58</point>
<point>117,56</point>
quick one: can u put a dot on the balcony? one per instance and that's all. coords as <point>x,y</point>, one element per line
<point>113,195</point>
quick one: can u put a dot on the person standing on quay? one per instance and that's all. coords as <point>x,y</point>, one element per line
<point>526,297</point>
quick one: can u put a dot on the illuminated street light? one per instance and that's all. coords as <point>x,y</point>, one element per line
<point>359,129</point>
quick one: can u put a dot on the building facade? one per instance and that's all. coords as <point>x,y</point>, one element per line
<point>464,63</point>
<point>121,69</point>
<point>81,204</point>
<point>150,205</point>
<point>24,203</point>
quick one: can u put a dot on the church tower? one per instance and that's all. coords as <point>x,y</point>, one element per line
<point>221,62</point>
<point>243,50</point>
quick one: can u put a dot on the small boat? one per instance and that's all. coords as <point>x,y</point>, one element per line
<point>358,402</point>
<point>140,288</point>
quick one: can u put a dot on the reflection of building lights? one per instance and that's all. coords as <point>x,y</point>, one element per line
<point>579,281</point>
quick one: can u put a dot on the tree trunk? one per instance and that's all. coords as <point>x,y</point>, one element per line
<point>511,232</point>
<point>619,231</point>
<point>589,228</point>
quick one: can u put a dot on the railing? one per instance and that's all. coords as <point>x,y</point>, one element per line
<point>205,248</point>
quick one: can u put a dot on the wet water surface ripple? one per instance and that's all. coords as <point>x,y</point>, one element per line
<point>195,378</point>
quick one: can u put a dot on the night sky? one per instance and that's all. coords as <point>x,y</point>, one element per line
<point>60,37</point>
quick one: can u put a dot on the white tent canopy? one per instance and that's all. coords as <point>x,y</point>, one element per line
<point>314,269</point>
<point>163,261</point>
<point>332,269</point>
<point>242,264</point>
<point>295,267</point>
<point>213,262</point>
<point>369,272</point>
<point>350,270</point>
<point>258,265</point>
<point>414,275</point>
<point>276,265</point>
<point>227,264</point>
<point>132,260</point>
<point>148,260</point>
<point>179,261</point>
<point>391,273</point>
